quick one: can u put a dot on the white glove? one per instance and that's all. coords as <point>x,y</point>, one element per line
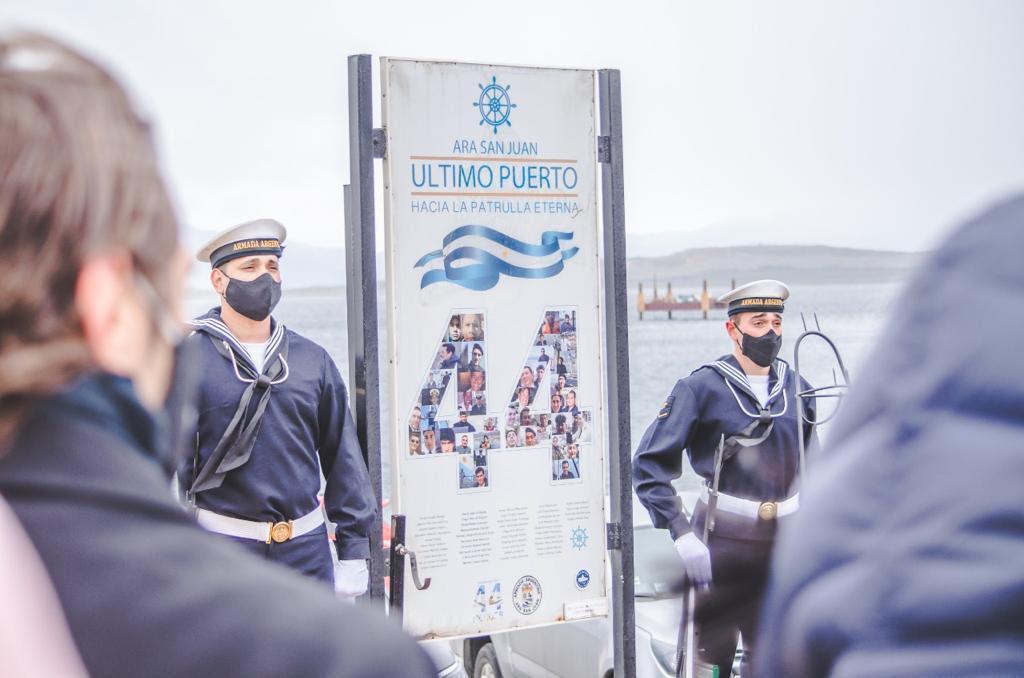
<point>351,577</point>
<point>696,559</point>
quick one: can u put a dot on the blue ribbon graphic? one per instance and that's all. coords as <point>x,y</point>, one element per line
<point>485,274</point>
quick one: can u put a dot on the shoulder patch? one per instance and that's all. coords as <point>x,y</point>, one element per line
<point>666,407</point>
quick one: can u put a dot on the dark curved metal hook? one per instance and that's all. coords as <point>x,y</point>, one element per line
<point>401,550</point>
<point>840,389</point>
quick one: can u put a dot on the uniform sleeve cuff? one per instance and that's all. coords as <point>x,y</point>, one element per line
<point>352,549</point>
<point>679,526</point>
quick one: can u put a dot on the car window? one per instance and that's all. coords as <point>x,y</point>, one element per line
<point>656,568</point>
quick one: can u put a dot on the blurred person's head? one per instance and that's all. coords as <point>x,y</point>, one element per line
<point>93,273</point>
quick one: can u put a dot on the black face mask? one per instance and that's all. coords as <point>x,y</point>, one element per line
<point>762,350</point>
<point>254,299</point>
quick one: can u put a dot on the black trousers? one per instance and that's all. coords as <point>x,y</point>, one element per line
<point>732,605</point>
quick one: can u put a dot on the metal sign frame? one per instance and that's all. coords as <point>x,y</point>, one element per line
<point>617,352</point>
<point>361,293</point>
<point>366,144</point>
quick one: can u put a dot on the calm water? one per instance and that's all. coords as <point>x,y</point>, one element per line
<point>661,350</point>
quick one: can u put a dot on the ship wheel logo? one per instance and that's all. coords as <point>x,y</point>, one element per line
<point>494,104</point>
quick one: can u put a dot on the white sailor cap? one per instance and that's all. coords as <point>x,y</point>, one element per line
<point>760,296</point>
<point>262,236</point>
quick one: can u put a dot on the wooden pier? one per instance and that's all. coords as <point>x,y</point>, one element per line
<point>670,302</point>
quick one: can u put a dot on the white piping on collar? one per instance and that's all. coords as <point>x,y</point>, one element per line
<point>228,336</point>
<point>755,415</point>
<point>242,379</point>
<point>741,377</point>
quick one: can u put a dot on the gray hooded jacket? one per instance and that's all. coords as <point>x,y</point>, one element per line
<point>907,556</point>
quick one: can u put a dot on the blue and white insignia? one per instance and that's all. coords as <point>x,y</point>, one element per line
<point>582,579</point>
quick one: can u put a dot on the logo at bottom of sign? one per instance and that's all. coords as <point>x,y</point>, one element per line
<point>582,579</point>
<point>526,595</point>
<point>488,602</point>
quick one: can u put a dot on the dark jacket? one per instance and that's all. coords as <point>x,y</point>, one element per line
<point>146,592</point>
<point>907,555</point>
<point>717,399</point>
<point>307,426</point>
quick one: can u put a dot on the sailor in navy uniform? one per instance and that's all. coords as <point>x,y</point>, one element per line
<point>749,397</point>
<point>273,414</point>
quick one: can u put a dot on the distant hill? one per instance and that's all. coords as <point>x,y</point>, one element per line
<point>312,266</point>
<point>796,264</point>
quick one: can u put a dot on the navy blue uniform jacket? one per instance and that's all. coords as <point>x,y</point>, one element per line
<point>147,592</point>
<point>307,426</point>
<point>715,399</point>
<point>907,555</point>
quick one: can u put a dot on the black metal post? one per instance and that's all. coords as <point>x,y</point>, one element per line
<point>397,568</point>
<point>361,290</point>
<point>617,363</point>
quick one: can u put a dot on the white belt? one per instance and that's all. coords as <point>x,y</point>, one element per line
<point>766,510</point>
<point>261,531</point>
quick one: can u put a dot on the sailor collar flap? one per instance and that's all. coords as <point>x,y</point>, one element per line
<point>229,346</point>
<point>728,368</point>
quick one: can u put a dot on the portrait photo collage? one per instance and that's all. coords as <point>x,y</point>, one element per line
<point>543,409</point>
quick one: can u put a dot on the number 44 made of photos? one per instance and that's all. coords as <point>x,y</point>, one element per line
<point>452,416</point>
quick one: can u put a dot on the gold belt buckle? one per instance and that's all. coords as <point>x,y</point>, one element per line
<point>280,532</point>
<point>768,510</point>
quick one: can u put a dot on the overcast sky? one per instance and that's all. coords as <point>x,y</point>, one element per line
<point>867,124</point>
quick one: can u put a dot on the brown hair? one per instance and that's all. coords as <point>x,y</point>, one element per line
<point>78,177</point>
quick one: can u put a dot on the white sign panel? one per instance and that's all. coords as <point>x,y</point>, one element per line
<point>494,294</point>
